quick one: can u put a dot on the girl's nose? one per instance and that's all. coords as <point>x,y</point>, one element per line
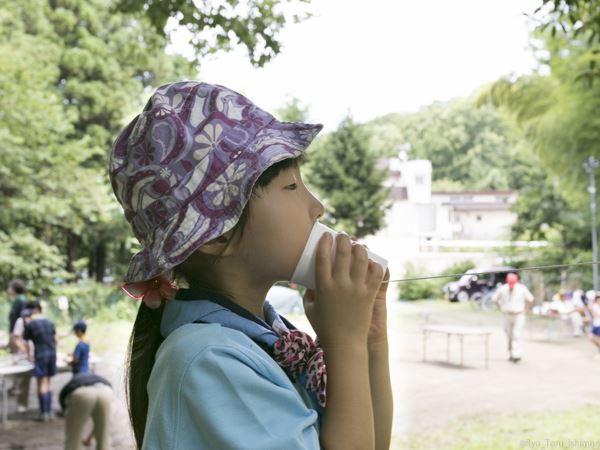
<point>317,208</point>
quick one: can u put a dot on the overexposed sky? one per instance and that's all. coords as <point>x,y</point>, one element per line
<point>379,56</point>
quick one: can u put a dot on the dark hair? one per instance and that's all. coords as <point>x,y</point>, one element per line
<point>146,338</point>
<point>33,304</point>
<point>17,285</point>
<point>80,325</point>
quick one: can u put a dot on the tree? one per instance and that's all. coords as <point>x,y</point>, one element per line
<point>220,25</point>
<point>72,73</point>
<point>469,148</point>
<point>556,113</point>
<point>574,17</point>
<point>575,20</point>
<point>343,170</point>
<point>292,111</point>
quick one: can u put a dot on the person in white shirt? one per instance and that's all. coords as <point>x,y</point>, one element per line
<point>595,334</point>
<point>512,299</point>
<point>23,380</point>
<point>570,310</point>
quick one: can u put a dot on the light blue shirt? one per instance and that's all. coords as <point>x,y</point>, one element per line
<point>212,387</point>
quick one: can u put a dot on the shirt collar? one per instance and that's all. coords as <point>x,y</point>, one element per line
<point>195,305</point>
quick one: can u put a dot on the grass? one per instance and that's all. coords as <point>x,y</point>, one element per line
<point>574,428</point>
<point>103,336</point>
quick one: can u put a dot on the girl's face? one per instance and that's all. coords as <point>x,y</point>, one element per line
<point>281,217</point>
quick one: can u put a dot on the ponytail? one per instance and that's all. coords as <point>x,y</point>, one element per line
<point>143,344</point>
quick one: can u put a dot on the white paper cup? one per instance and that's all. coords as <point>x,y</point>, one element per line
<point>305,271</point>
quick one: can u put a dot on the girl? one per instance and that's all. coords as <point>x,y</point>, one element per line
<point>211,185</point>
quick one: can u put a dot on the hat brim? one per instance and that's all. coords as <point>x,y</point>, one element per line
<point>175,240</point>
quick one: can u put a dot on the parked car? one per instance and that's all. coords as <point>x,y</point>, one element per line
<point>285,300</point>
<point>477,285</point>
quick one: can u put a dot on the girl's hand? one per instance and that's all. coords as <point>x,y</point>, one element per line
<point>340,309</point>
<point>378,329</point>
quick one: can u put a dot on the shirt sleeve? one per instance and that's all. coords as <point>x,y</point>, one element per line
<point>528,294</point>
<point>27,333</point>
<point>77,352</point>
<point>19,327</point>
<point>237,405</point>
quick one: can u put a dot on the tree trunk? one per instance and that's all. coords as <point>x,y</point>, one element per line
<point>100,258</point>
<point>73,242</point>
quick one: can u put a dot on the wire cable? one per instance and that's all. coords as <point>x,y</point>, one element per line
<point>456,275</point>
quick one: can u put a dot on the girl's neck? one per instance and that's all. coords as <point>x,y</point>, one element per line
<point>247,298</point>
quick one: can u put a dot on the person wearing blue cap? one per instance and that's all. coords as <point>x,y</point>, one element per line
<point>80,358</point>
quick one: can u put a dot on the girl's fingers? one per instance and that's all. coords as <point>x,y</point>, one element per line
<point>323,258</point>
<point>384,285</point>
<point>343,256</point>
<point>309,296</point>
<point>308,301</point>
<point>375,275</point>
<point>360,263</point>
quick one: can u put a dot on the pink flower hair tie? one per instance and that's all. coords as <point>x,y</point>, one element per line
<point>297,354</point>
<point>152,292</point>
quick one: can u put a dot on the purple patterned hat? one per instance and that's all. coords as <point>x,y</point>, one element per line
<point>184,168</point>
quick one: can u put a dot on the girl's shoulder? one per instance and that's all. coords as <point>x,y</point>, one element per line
<point>202,374</point>
<point>201,341</point>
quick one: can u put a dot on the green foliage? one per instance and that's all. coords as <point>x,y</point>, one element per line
<point>428,289</point>
<point>557,114</point>
<point>220,25</point>
<point>575,18</point>
<point>72,73</point>
<point>469,148</point>
<point>558,122</point>
<point>292,111</point>
<point>88,299</point>
<point>418,289</point>
<point>573,21</point>
<point>343,171</point>
<point>458,267</point>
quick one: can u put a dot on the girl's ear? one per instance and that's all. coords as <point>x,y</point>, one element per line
<point>223,245</point>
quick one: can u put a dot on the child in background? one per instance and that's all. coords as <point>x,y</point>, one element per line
<point>41,331</point>
<point>87,396</point>
<point>80,358</point>
<point>211,185</point>
<point>595,334</point>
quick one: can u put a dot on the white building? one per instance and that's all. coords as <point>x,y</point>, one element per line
<point>434,230</point>
<point>420,213</point>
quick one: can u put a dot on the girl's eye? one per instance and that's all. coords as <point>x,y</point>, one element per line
<point>293,187</point>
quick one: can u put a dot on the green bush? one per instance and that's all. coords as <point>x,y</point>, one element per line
<point>422,289</point>
<point>457,268</point>
<point>418,289</point>
<point>90,299</point>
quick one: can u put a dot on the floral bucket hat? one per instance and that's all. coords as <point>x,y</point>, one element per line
<point>184,169</point>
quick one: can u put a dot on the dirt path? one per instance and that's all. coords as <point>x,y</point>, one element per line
<point>553,375</point>
<point>23,432</point>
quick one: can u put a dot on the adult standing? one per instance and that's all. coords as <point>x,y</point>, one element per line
<point>512,299</point>
<point>86,395</point>
<point>22,381</point>
<point>16,294</point>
